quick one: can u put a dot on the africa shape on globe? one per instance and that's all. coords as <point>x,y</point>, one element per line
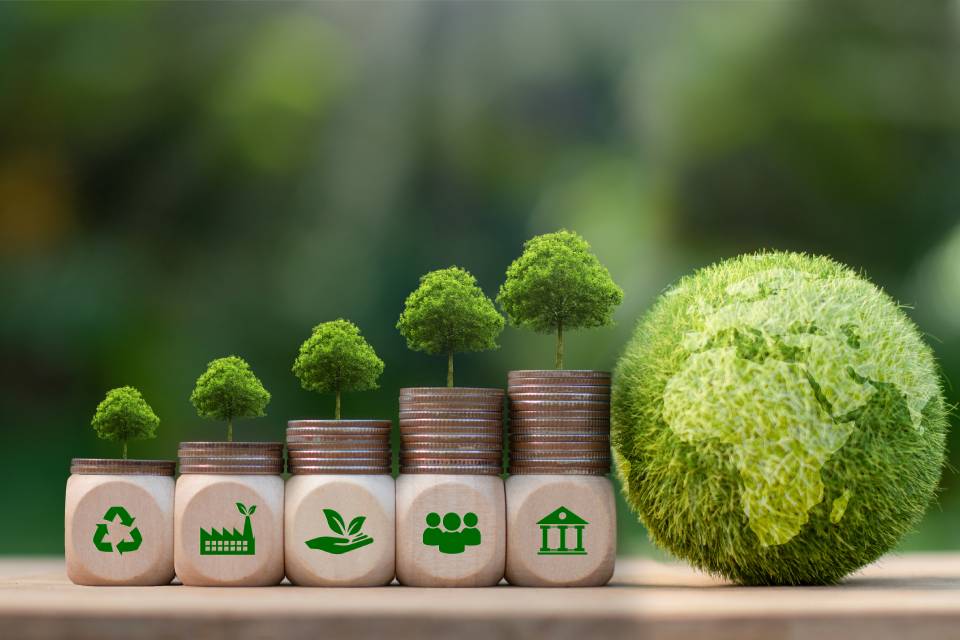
<point>780,372</point>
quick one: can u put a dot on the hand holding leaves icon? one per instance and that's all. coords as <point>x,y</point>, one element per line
<point>350,537</point>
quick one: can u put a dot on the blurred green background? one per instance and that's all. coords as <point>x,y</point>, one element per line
<point>183,181</point>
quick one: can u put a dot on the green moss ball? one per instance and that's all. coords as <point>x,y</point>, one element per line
<point>777,419</point>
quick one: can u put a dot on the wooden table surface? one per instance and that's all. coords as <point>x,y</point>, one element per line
<point>913,596</point>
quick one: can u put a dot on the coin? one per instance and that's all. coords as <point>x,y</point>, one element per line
<point>557,388</point>
<point>340,445</point>
<point>483,423</point>
<point>232,446</point>
<point>441,438</point>
<point>597,413</point>
<point>449,460</point>
<point>340,424</point>
<point>451,414</point>
<point>450,406</point>
<point>338,433</point>
<point>546,447</point>
<point>561,397</point>
<point>111,466</point>
<point>478,399</point>
<point>473,445</point>
<point>560,427</point>
<point>551,435</point>
<point>562,407</point>
<point>339,469</point>
<point>555,374</point>
<point>414,435</point>
<point>454,391</point>
<point>452,427</point>
<point>518,426</point>
<point>295,447</point>
<point>583,461</point>
<point>558,471</point>
<point>586,458</point>
<point>231,469</point>
<point>341,453</point>
<point>354,461</point>
<point>490,470</point>
<point>422,453</point>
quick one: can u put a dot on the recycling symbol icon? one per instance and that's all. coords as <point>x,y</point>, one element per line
<point>124,546</point>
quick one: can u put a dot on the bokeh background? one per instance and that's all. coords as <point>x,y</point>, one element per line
<point>183,181</point>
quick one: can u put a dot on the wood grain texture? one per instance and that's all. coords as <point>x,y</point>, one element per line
<point>532,549</point>
<point>148,500</point>
<point>476,564</point>
<point>209,502</point>
<point>371,497</point>
<point>916,596</point>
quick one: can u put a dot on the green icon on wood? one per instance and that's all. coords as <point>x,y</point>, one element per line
<point>124,546</point>
<point>451,539</point>
<point>227,543</point>
<point>350,537</point>
<point>562,519</point>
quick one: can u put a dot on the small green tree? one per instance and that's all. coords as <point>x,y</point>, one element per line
<point>228,389</point>
<point>336,358</point>
<point>447,314</point>
<point>557,284</point>
<point>124,415</point>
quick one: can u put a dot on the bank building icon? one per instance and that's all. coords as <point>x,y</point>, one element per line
<point>568,528</point>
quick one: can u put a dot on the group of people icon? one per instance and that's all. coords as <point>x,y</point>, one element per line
<point>451,538</point>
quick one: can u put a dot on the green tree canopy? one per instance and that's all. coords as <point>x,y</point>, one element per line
<point>557,284</point>
<point>448,313</point>
<point>124,415</point>
<point>336,358</point>
<point>229,389</point>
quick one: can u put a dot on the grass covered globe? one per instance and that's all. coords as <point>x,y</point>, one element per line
<point>777,419</point>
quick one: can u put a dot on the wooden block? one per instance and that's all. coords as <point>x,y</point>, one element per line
<point>325,543</point>
<point>561,530</point>
<point>228,530</point>
<point>451,530</point>
<point>119,529</point>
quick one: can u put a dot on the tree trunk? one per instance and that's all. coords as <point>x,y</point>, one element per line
<point>450,368</point>
<point>124,449</point>
<point>230,429</point>
<point>336,411</point>
<point>559,359</point>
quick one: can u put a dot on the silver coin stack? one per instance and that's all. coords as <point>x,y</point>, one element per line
<point>339,446</point>
<point>559,422</point>
<point>451,430</point>
<point>231,458</point>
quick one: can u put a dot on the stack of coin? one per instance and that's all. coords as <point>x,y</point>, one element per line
<point>112,466</point>
<point>559,422</point>
<point>240,458</point>
<point>451,430</point>
<point>339,446</point>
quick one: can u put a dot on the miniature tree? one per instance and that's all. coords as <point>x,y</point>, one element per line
<point>124,415</point>
<point>558,284</point>
<point>336,358</point>
<point>448,313</point>
<point>228,389</point>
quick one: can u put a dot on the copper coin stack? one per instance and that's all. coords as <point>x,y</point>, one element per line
<point>339,446</point>
<point>451,430</point>
<point>110,466</point>
<point>232,458</point>
<point>559,422</point>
